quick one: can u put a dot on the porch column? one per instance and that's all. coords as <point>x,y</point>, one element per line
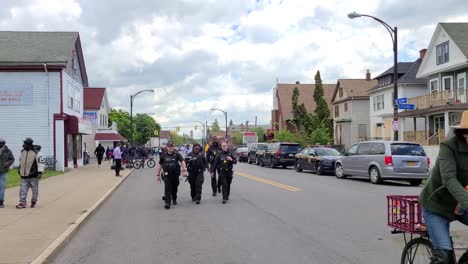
<point>446,123</point>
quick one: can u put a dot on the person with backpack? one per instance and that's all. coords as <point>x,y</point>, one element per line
<point>196,165</point>
<point>6,160</point>
<point>170,163</point>
<point>224,165</point>
<point>32,165</point>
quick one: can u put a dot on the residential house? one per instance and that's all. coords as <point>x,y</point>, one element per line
<point>381,98</point>
<point>97,110</point>
<point>350,104</point>
<point>444,67</point>
<point>42,75</point>
<point>282,115</point>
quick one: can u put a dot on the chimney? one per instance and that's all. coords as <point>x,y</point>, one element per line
<point>422,53</point>
<point>297,82</point>
<point>368,76</point>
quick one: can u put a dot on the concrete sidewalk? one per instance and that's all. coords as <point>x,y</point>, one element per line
<point>26,233</point>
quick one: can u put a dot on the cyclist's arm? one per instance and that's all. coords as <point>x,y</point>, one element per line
<point>448,171</point>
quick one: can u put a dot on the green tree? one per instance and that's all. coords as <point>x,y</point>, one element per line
<point>285,135</point>
<point>143,125</point>
<point>300,114</point>
<point>215,126</point>
<point>260,132</point>
<point>238,138</point>
<point>177,139</point>
<point>321,110</point>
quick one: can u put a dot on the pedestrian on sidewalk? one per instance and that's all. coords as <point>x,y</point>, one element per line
<point>6,160</point>
<point>224,165</point>
<point>196,165</point>
<point>117,154</point>
<point>32,165</point>
<point>170,163</point>
<point>99,152</point>
<point>107,153</point>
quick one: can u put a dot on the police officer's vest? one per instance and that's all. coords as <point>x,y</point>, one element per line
<point>195,163</point>
<point>226,165</point>
<point>171,163</point>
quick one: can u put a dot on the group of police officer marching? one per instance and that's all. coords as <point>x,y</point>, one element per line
<point>218,160</point>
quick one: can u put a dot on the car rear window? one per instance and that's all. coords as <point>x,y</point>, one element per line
<point>262,147</point>
<point>289,148</point>
<point>405,149</point>
<point>327,152</point>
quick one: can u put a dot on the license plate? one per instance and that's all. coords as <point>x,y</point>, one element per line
<point>411,163</point>
<point>291,155</point>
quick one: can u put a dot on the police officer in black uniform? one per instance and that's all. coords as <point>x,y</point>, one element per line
<point>196,165</point>
<point>213,150</point>
<point>224,165</point>
<point>170,163</point>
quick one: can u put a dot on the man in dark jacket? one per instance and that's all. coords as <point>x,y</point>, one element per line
<point>32,165</point>
<point>99,152</point>
<point>196,165</point>
<point>170,163</point>
<point>6,160</point>
<point>445,189</point>
<point>213,150</point>
<point>224,165</point>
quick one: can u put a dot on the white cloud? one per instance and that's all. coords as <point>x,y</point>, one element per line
<point>227,54</point>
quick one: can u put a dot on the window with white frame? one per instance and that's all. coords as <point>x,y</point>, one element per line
<point>380,105</point>
<point>434,84</point>
<point>461,82</point>
<point>77,99</point>
<point>447,83</point>
<point>70,95</point>
<point>374,101</point>
<point>442,52</point>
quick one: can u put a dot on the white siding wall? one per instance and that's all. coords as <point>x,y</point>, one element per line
<point>376,116</point>
<point>36,120</point>
<point>360,113</point>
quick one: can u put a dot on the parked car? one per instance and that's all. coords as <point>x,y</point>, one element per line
<point>256,151</point>
<point>280,154</point>
<point>242,154</point>
<point>384,160</point>
<point>317,159</point>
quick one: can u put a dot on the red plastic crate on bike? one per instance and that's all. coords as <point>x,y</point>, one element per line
<point>404,213</point>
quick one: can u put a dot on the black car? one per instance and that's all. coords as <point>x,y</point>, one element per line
<point>280,154</point>
<point>241,154</point>
<point>320,160</point>
<point>256,151</point>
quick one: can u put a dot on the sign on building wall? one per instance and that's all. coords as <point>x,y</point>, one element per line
<point>91,116</point>
<point>16,94</point>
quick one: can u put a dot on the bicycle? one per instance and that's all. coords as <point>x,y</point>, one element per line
<point>404,215</point>
<point>137,163</point>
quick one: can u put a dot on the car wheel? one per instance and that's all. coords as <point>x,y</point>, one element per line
<point>285,166</point>
<point>249,160</point>
<point>415,182</point>
<point>318,168</point>
<point>298,167</point>
<point>257,161</point>
<point>339,171</point>
<point>262,164</point>
<point>374,175</point>
<point>271,164</point>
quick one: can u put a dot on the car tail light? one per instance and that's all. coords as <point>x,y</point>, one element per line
<point>388,161</point>
<point>278,153</point>
<point>428,161</point>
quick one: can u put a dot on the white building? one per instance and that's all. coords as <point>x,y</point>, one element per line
<point>350,103</point>
<point>97,110</point>
<point>445,68</point>
<point>42,75</point>
<point>381,98</point>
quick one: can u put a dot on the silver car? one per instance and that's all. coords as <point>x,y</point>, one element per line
<point>384,160</point>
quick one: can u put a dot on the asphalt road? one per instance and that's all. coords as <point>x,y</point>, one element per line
<point>273,216</point>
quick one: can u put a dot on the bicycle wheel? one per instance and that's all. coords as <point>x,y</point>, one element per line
<point>151,163</point>
<point>417,251</point>
<point>136,164</point>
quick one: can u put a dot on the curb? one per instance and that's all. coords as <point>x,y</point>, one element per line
<point>49,253</point>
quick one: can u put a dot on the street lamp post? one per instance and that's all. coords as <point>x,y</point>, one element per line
<point>204,129</point>
<point>394,35</point>
<point>132,97</point>
<point>225,118</point>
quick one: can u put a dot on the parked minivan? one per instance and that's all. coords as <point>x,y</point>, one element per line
<point>384,160</point>
<point>280,154</point>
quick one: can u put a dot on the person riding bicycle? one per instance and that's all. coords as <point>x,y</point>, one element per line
<point>444,190</point>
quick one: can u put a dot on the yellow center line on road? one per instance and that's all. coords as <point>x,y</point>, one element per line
<point>276,184</point>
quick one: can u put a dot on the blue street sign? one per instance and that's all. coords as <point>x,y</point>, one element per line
<point>406,106</point>
<point>401,100</point>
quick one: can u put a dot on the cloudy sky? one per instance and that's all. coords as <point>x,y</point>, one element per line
<point>203,54</point>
